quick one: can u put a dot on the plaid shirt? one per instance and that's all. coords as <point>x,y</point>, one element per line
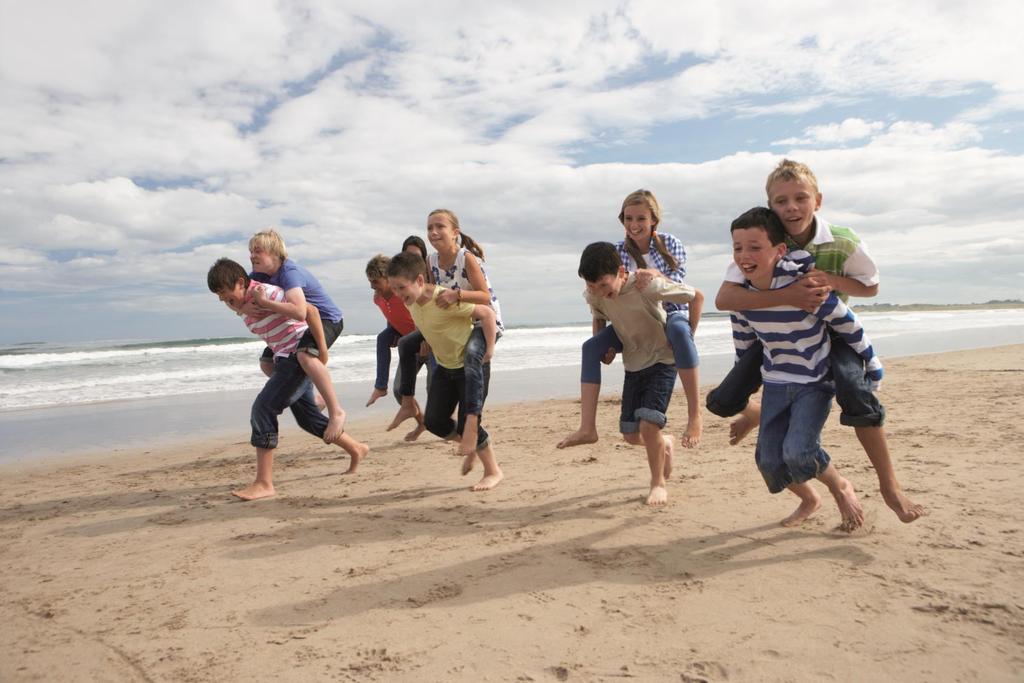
<point>674,247</point>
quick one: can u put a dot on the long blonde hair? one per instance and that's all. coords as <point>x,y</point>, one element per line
<point>646,198</point>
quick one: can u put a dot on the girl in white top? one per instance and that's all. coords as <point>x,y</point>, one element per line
<point>457,265</point>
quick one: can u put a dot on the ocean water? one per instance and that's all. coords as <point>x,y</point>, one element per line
<point>39,375</point>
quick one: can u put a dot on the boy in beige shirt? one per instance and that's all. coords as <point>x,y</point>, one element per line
<point>639,321</point>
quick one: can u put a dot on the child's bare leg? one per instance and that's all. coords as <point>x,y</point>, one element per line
<point>492,472</point>
<point>356,450</point>
<point>654,442</point>
<point>263,487</point>
<point>875,444</point>
<point>408,408</point>
<point>694,421</point>
<point>846,498</point>
<point>321,377</point>
<point>375,394</point>
<point>810,501</point>
<point>467,445</point>
<point>670,445</point>
<point>587,433</point>
<point>745,423</point>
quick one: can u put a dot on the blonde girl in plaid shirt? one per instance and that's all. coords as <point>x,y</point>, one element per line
<point>649,254</point>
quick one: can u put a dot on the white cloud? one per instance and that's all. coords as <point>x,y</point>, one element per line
<point>351,123</point>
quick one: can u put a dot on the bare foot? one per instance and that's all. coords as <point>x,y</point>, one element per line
<point>405,411</point>
<point>905,509</point>
<point>670,444</point>
<point>355,458</point>
<point>377,393</point>
<point>255,491</point>
<point>415,433</point>
<point>488,482</point>
<point>335,427</point>
<point>577,438</point>
<point>849,507</point>
<point>693,431</point>
<point>468,461</point>
<point>807,507</point>
<point>658,496</point>
<point>739,428</point>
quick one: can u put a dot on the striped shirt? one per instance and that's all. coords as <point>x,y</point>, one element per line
<point>836,250</point>
<point>281,333</point>
<point>656,260</point>
<point>796,343</point>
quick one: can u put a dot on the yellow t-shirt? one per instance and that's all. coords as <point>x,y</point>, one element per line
<point>446,329</point>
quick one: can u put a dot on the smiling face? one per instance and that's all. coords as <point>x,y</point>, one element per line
<point>441,233</point>
<point>639,223</point>
<point>608,286</point>
<point>407,290</point>
<point>794,202</point>
<point>755,255</point>
<point>263,262</point>
<point>234,298</point>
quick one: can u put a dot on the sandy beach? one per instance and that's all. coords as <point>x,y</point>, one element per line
<point>140,566</point>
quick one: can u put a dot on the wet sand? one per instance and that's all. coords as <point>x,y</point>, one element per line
<point>139,565</point>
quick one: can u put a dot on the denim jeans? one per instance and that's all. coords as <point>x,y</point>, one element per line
<point>743,379</point>
<point>645,396</point>
<point>287,387</point>
<point>789,440</point>
<point>448,390</point>
<point>860,406</point>
<point>476,347</point>
<point>677,330</point>
<point>387,338</point>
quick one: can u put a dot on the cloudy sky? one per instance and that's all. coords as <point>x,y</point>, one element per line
<point>140,141</point>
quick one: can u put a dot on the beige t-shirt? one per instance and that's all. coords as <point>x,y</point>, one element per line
<point>639,319</point>
<point>445,329</point>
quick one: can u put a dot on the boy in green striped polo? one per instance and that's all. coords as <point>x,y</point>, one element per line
<point>842,264</point>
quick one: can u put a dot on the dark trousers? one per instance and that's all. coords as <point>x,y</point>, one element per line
<point>447,390</point>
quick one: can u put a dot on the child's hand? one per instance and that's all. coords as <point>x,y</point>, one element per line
<point>488,354</point>
<point>259,296</point>
<point>609,356</point>
<point>323,355</point>
<point>447,298</point>
<point>424,349</point>
<point>643,277</point>
<point>809,292</point>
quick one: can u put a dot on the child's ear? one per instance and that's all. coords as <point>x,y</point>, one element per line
<point>622,272</point>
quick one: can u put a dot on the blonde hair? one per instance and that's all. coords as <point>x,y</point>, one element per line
<point>792,170</point>
<point>377,267</point>
<point>646,198</point>
<point>468,242</point>
<point>270,242</point>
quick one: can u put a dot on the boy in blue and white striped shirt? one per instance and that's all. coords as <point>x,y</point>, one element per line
<point>795,368</point>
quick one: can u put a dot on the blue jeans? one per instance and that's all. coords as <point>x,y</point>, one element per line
<point>287,387</point>
<point>789,441</point>
<point>387,338</point>
<point>680,338</point>
<point>476,347</point>
<point>447,391</point>
<point>860,406</point>
<point>645,396</point>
